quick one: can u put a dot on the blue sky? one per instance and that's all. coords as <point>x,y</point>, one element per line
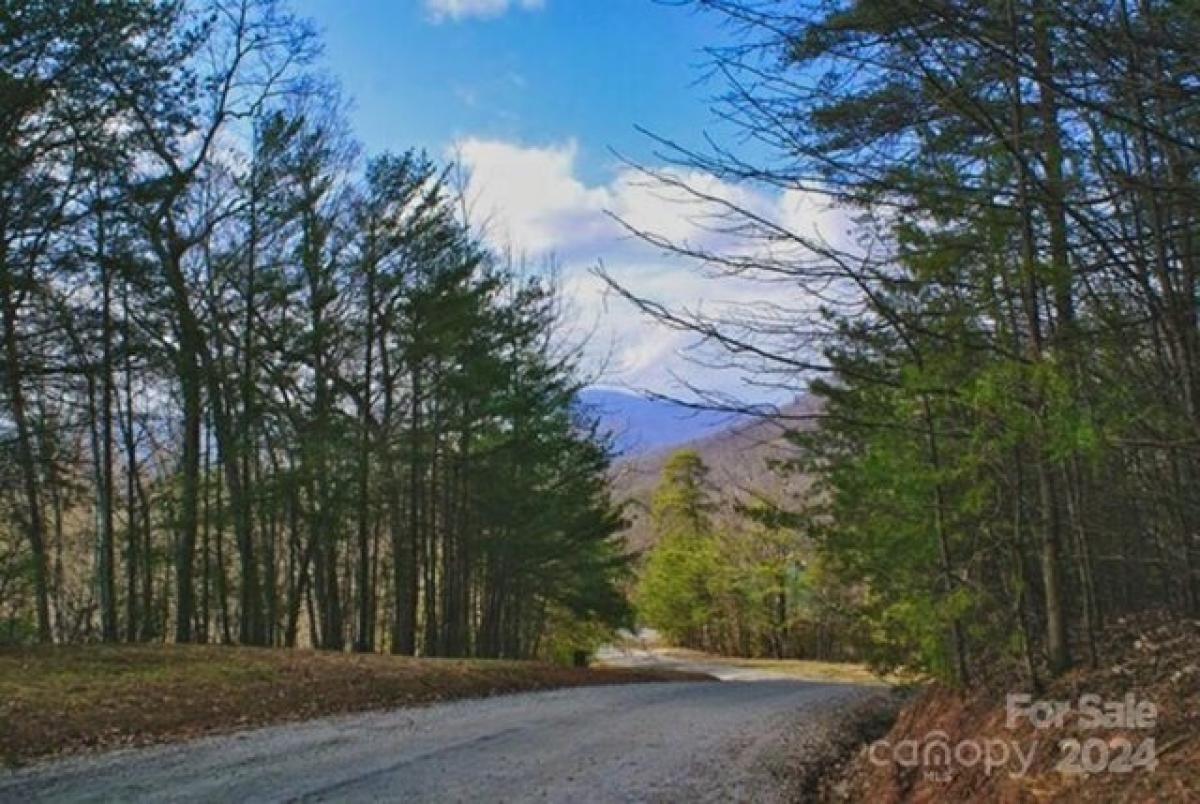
<point>582,70</point>
<point>531,97</point>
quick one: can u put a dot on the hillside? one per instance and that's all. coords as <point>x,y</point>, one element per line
<point>1125,730</point>
<point>739,459</point>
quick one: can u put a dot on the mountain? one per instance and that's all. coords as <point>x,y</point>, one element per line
<point>640,425</point>
<point>739,458</point>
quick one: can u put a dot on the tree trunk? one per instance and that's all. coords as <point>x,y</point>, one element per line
<point>34,522</point>
<point>365,639</point>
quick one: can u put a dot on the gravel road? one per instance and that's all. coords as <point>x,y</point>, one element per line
<point>694,741</point>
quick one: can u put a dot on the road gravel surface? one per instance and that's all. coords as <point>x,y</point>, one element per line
<point>664,742</point>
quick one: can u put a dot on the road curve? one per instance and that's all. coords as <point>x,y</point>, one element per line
<point>695,741</point>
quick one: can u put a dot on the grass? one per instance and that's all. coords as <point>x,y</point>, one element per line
<point>815,671</point>
<point>59,700</point>
<point>803,669</point>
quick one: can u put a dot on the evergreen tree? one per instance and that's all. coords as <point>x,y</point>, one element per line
<point>1005,351</point>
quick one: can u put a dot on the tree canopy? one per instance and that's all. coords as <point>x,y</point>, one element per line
<point>259,387</point>
<point>1006,343</point>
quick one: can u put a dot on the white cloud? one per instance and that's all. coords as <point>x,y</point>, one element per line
<point>531,199</point>
<point>456,10</point>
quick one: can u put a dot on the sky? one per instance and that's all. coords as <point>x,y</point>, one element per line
<point>540,101</point>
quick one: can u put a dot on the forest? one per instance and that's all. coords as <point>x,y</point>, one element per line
<point>289,438</point>
<point>1005,346</point>
<point>261,388</point>
<point>737,580</point>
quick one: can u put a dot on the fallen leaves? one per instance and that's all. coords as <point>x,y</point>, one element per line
<point>65,699</point>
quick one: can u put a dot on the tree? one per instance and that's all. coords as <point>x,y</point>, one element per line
<point>62,106</point>
<point>220,327</point>
<point>675,590</point>
<point>1020,281</point>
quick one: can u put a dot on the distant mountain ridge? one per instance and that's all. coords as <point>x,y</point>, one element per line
<point>640,425</point>
<point>739,458</point>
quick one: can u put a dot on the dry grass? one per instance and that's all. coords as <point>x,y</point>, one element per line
<point>815,671</point>
<point>63,700</point>
<point>802,669</point>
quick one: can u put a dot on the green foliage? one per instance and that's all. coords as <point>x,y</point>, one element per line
<point>566,636</point>
<point>742,589</point>
<point>298,386</point>
<point>675,592</point>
